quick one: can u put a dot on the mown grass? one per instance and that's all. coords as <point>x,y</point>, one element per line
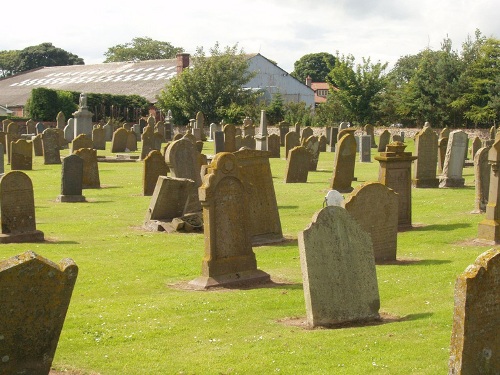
<point>126,317</point>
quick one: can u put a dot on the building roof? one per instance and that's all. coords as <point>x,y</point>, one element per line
<point>319,86</point>
<point>119,78</point>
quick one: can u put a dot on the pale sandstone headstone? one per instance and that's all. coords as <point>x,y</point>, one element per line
<point>343,164</point>
<point>475,342</point>
<point>454,160</point>
<point>91,178</point>
<point>21,158</point>
<point>154,166</point>
<point>182,160</point>
<point>81,141</point>
<point>60,120</point>
<point>99,138</point>
<point>39,292</point>
<point>384,140</point>
<point>229,138</point>
<point>297,167</point>
<point>119,140</point>
<point>229,258</point>
<point>338,270</point>
<point>292,139</point>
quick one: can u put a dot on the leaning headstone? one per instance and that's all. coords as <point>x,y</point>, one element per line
<point>395,173</point>
<point>375,208</point>
<point>51,152</point>
<point>292,139</point>
<point>154,166</point>
<point>119,140</point>
<point>312,146</point>
<point>338,270</point>
<point>384,140</point>
<point>172,198</point>
<point>273,145</point>
<point>81,141</point>
<point>343,164</point>
<point>99,138</point>
<point>297,166</point>
<point>306,133</point>
<point>229,258</point>
<point>481,180</point>
<point>365,146</point>
<point>454,160</point>
<point>39,292</point>
<point>182,160</point>
<point>91,178</point>
<point>489,227</point>
<point>426,149</point>
<point>264,224</point>
<point>71,179</point>
<point>370,130</point>
<point>475,341</point>
<point>21,158</point>
<point>442,145</point>
<point>229,138</point>
<point>17,209</point>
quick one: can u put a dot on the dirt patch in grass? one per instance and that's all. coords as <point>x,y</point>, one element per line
<point>301,322</point>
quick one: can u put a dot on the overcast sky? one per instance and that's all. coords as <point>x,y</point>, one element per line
<point>281,30</point>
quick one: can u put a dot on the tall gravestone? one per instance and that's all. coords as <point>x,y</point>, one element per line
<point>12,135</point>
<point>343,164</point>
<point>476,145</point>
<point>98,138</point>
<point>297,166</point>
<point>108,131</point>
<point>30,127</point>
<point>182,160</point>
<point>370,130</point>
<point>365,146</point>
<point>338,270</point>
<point>395,173</point>
<point>264,223</point>
<point>229,258</point>
<point>154,166</point>
<point>273,145</point>
<point>50,144</point>
<point>489,227</point>
<point>17,209</point>
<point>147,141</point>
<point>284,128</point>
<point>375,208</point>
<point>261,136</point>
<point>36,141</point>
<point>292,139</point>
<point>442,145</point>
<point>71,179</point>
<point>332,139</point>
<point>69,130</point>
<point>481,180</point>
<point>2,166</point>
<point>21,158</point>
<point>475,342</point>
<point>384,140</point>
<point>39,292</point>
<point>322,143</point>
<point>131,144</point>
<point>219,141</point>
<point>426,149</point>
<point>454,160</point>
<point>306,133</point>
<point>60,120</point>
<point>91,178</point>
<point>119,140</point>
<point>229,138</point>
<point>312,146</point>
<point>83,118</point>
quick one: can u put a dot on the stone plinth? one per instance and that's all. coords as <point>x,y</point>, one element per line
<point>83,122</point>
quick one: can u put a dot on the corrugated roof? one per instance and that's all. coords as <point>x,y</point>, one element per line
<point>144,78</point>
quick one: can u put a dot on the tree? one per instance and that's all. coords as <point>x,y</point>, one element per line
<point>356,87</point>
<point>315,65</point>
<point>141,49</point>
<point>45,54</point>
<point>9,61</point>
<point>213,85</point>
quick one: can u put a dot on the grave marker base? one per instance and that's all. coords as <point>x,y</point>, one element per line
<point>35,236</point>
<point>244,278</point>
<point>71,198</point>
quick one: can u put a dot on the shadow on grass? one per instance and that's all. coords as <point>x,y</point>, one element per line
<point>440,227</point>
<point>288,207</point>
<point>412,262</point>
<point>55,241</point>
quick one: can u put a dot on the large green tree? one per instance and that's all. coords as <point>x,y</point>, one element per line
<point>141,49</point>
<point>355,87</point>
<point>212,85</point>
<point>9,61</point>
<point>315,65</point>
<point>45,54</point>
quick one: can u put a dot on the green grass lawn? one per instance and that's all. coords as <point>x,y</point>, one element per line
<point>127,317</point>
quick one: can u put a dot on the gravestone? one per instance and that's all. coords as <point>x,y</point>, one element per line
<point>229,258</point>
<point>475,341</point>
<point>343,164</point>
<point>98,138</point>
<point>71,179</point>
<point>2,167</point>
<point>273,145</point>
<point>131,144</point>
<point>39,292</point>
<point>344,132</point>
<point>384,140</point>
<point>17,209</point>
<point>306,133</point>
<point>426,149</point>
<point>108,131</point>
<point>119,140</point>
<point>40,128</point>
<point>30,127</point>
<point>476,145</point>
<point>83,118</point>
<point>297,128</point>
<point>312,146</point>
<point>375,207</point>
<point>370,130</point>
<point>21,158</point>
<point>365,146</point>
<point>445,133</point>
<point>69,130</point>
<point>333,198</point>
<point>338,270</point>
<point>157,141</point>
<point>454,160</point>
<point>147,141</point>
<point>160,129</point>
<point>261,136</point>
<point>182,160</point>
<point>481,180</point>
<point>395,173</point>
<point>322,143</point>
<point>292,139</point>
<point>81,141</point>
<point>172,198</point>
<point>284,128</point>
<point>213,128</point>
<point>493,132</point>
<point>154,166</point>
<point>219,142</point>
<point>248,142</point>
<point>442,145</point>
<point>37,145</point>
<point>3,142</point>
<point>90,168</point>
<point>489,227</point>
<point>264,224</point>
<point>397,138</point>
<point>229,138</point>
<point>51,152</point>
<point>12,135</point>
<point>332,139</point>
<point>297,166</point>
<point>343,125</point>
<point>60,120</point>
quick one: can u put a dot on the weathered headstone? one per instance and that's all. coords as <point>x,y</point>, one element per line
<point>442,145</point>
<point>30,127</point>
<point>312,146</point>
<point>40,128</point>
<point>322,143</point>
<point>69,130</point>
<point>2,167</point>
<point>476,145</point>
<point>229,138</point>
<point>21,158</point>
<point>489,227</point>
<point>219,142</point>
<point>99,138</point>
<point>17,209</point>
<point>182,160</point>
<point>481,180</point>
<point>338,270</point>
<point>292,139</point>
<point>375,208</point>
<point>454,160</point>
<point>370,130</point>
<point>248,142</point>
<point>147,141</point>
<point>60,120</point>
<point>384,140</point>
<point>71,179</point>
<point>365,146</point>
<point>284,128</point>
<point>108,131</point>
<point>35,298</point>
<point>426,149</point>
<point>37,145</point>
<point>343,164</point>
<point>273,145</point>
<point>119,140</point>
<point>332,139</point>
<point>306,133</point>
<point>229,257</point>
<point>445,133</point>
<point>395,173</point>
<point>475,341</point>
<point>81,141</point>
<point>91,178</point>
<point>51,151</point>
<point>297,167</point>
<point>131,144</point>
<point>154,166</point>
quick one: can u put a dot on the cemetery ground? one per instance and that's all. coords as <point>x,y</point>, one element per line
<point>130,311</point>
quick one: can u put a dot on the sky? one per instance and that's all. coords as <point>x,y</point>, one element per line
<point>280,30</point>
